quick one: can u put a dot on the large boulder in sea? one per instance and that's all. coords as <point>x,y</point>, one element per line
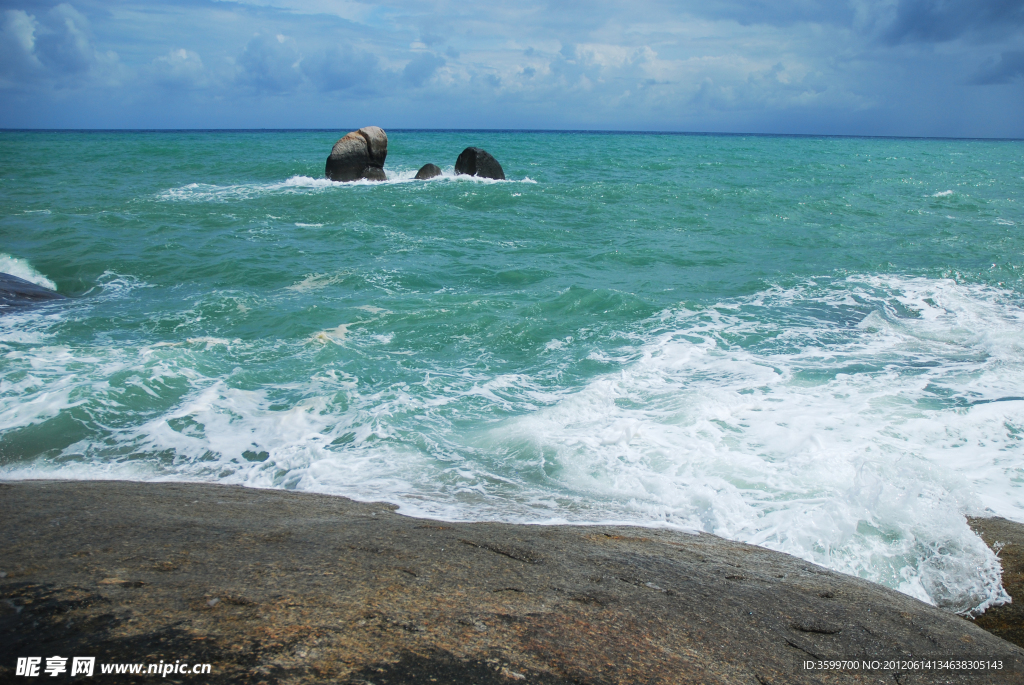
<point>475,161</point>
<point>17,292</point>
<point>428,171</point>
<point>360,154</point>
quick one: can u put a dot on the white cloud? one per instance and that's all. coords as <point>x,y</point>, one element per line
<point>179,68</point>
<point>54,47</point>
<point>19,30</point>
<point>270,64</point>
<point>65,46</point>
<point>18,60</point>
<point>746,64</point>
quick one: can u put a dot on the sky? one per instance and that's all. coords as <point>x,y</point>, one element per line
<point>947,68</point>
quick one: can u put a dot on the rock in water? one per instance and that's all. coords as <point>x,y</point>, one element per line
<point>360,154</point>
<point>17,292</point>
<point>477,162</point>
<point>428,171</point>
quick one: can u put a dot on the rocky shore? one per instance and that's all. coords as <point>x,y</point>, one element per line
<point>280,587</point>
<point>1007,539</point>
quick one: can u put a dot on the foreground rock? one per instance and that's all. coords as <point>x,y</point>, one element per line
<point>428,171</point>
<point>279,587</point>
<point>359,155</point>
<point>17,292</point>
<point>476,162</point>
<point>1006,538</point>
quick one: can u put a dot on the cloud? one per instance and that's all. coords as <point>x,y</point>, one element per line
<point>743,65</point>
<point>943,20</point>
<point>1008,67</point>
<point>178,69</point>
<point>270,64</point>
<point>56,46</point>
<point>342,67</point>
<point>421,67</point>
<point>65,46</point>
<point>774,13</point>
<point>18,60</point>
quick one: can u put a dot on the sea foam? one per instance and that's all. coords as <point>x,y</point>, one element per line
<point>852,422</point>
<point>205,192</point>
<point>857,442</point>
<point>22,269</point>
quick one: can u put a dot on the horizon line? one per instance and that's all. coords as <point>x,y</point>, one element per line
<point>511,130</point>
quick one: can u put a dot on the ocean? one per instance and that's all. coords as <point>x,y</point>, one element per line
<point>811,344</point>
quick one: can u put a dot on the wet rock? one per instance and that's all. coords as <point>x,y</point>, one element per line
<point>428,171</point>
<point>477,162</point>
<point>282,587</point>
<point>17,292</point>
<point>1006,539</point>
<point>359,155</point>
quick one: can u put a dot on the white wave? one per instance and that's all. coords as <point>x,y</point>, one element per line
<point>317,282</point>
<point>851,422</point>
<point>205,192</point>
<point>943,193</point>
<point>22,269</point>
<point>448,175</point>
<point>333,335</point>
<point>557,344</point>
<point>209,342</point>
<point>837,440</point>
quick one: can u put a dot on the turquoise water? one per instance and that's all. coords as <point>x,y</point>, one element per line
<point>811,344</point>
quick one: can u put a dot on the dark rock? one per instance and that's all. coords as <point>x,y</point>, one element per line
<point>1006,539</point>
<point>277,586</point>
<point>359,155</point>
<point>476,162</point>
<point>428,171</point>
<point>17,292</point>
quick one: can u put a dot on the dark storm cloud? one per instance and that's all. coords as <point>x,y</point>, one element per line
<point>943,20</point>
<point>1008,67</point>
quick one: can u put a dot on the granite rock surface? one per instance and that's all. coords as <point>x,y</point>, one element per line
<point>272,586</point>
<point>1006,538</point>
<point>359,155</point>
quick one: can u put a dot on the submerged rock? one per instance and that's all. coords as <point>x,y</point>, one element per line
<point>477,162</point>
<point>359,155</point>
<point>428,171</point>
<point>303,588</point>
<point>17,292</point>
